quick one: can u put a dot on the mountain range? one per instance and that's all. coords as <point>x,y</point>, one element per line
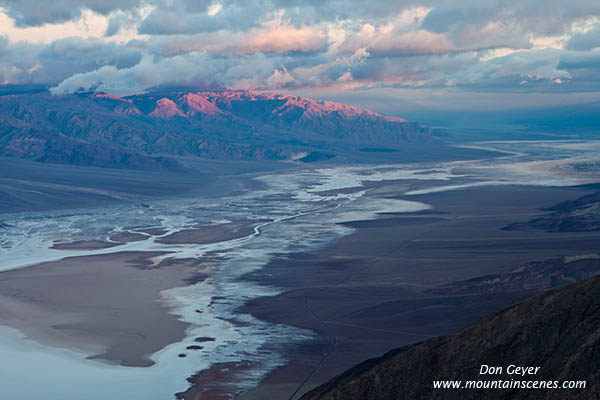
<point>163,130</point>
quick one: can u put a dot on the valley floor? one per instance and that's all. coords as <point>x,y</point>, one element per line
<point>371,291</point>
<point>266,285</point>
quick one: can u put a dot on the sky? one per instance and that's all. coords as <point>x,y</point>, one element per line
<point>454,55</point>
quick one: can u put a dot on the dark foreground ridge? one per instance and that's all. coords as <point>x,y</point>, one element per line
<point>558,331</point>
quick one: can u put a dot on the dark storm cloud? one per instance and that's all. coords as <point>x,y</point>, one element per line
<point>38,63</point>
<point>585,41</point>
<point>581,60</point>
<point>182,17</point>
<point>584,68</point>
<point>122,19</point>
<point>35,12</point>
<point>86,54</point>
<point>505,23</point>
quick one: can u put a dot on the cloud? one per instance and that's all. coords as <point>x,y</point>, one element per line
<point>46,64</point>
<point>584,67</point>
<point>587,40</point>
<point>385,41</point>
<point>492,23</point>
<point>120,20</point>
<point>580,60</point>
<point>146,74</point>
<point>283,39</point>
<point>467,45</point>
<point>195,69</point>
<point>272,36</point>
<point>36,13</point>
<point>514,70</point>
<point>188,17</point>
<point>202,69</point>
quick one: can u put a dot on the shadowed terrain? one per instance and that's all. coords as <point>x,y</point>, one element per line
<point>556,331</point>
<point>579,215</point>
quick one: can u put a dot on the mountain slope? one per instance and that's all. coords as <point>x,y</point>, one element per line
<point>148,131</point>
<point>581,215</point>
<point>558,331</point>
<point>533,276</point>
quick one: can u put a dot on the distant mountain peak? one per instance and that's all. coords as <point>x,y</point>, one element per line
<point>166,109</point>
<point>194,103</point>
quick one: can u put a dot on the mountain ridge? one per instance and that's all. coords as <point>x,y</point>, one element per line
<point>157,129</point>
<point>556,330</point>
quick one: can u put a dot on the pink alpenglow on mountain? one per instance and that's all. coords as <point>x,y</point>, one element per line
<point>153,130</point>
<point>212,102</point>
<point>219,103</point>
<point>194,103</point>
<point>166,109</point>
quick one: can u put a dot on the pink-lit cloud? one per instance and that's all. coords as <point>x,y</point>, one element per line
<point>282,39</point>
<point>385,40</point>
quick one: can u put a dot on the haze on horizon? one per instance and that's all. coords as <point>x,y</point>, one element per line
<point>449,55</point>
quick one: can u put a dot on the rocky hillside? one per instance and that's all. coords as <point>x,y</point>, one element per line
<point>153,131</point>
<point>581,215</point>
<point>557,331</point>
<point>534,277</point>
